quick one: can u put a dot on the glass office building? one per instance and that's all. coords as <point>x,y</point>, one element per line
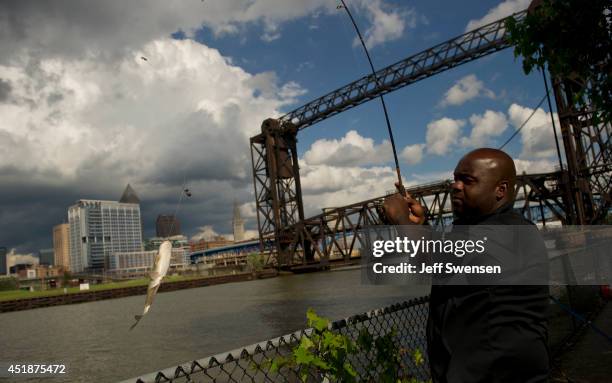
<point>100,228</point>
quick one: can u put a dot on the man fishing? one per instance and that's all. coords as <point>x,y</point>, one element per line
<point>482,333</point>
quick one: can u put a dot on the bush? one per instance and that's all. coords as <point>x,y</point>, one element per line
<point>327,355</point>
<point>255,261</point>
<point>9,283</point>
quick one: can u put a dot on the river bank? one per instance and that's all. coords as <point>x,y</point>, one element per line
<point>120,292</point>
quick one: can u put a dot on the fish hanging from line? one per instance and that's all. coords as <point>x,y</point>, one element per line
<point>160,268</point>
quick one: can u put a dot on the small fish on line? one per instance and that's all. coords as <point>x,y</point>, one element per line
<point>160,268</point>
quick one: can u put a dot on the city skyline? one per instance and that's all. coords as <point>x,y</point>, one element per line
<point>60,252</point>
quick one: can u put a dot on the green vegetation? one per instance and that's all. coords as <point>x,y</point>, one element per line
<point>326,355</point>
<point>66,277</point>
<point>574,38</point>
<point>22,294</point>
<point>8,283</point>
<point>256,262</point>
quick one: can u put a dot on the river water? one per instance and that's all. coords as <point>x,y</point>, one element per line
<point>93,341</point>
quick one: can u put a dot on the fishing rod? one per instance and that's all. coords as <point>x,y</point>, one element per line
<point>400,185</point>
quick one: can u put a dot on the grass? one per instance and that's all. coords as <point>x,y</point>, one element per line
<point>23,294</point>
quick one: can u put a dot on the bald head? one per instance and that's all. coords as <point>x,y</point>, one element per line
<point>484,181</point>
<point>497,163</point>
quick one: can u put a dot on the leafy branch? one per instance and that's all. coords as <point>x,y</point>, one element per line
<point>326,355</point>
<point>574,38</point>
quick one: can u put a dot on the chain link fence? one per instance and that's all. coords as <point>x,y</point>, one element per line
<point>252,363</point>
<point>408,320</point>
<point>571,312</point>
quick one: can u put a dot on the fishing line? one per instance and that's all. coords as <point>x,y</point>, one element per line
<point>525,122</point>
<point>552,118</point>
<point>382,100</point>
<point>349,37</point>
<point>178,205</point>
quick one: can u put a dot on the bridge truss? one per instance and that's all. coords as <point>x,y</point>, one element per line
<point>579,194</point>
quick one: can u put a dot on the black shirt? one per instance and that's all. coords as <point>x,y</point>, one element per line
<point>489,333</point>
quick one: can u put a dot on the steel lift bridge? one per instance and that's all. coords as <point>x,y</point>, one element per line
<point>579,193</point>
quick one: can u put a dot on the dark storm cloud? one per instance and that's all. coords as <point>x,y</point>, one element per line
<point>68,28</point>
<point>54,98</point>
<point>43,23</point>
<point>5,90</point>
<point>209,205</point>
<point>31,203</point>
<point>206,154</point>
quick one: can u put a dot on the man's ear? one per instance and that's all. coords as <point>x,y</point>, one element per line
<point>502,189</point>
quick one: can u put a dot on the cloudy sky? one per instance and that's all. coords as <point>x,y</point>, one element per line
<point>82,113</point>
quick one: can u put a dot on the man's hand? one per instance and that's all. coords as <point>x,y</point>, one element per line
<point>404,210</point>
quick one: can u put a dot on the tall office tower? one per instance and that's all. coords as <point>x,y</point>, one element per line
<point>45,257</point>
<point>100,228</point>
<point>3,262</point>
<point>61,245</point>
<point>238,224</point>
<point>167,226</point>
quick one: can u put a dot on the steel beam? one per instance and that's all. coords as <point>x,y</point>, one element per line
<point>337,231</point>
<point>467,47</point>
<point>588,152</point>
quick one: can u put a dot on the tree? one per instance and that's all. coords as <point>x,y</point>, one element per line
<point>66,278</point>
<point>574,38</point>
<point>8,283</point>
<point>256,262</point>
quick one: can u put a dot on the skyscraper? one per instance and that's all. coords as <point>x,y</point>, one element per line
<point>45,257</point>
<point>99,228</point>
<point>61,245</point>
<point>167,225</point>
<point>3,261</point>
<point>238,224</point>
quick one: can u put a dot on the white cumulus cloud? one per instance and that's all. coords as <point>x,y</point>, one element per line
<point>537,136</point>
<point>333,186</point>
<point>413,154</point>
<point>135,116</point>
<point>532,167</point>
<point>503,9</point>
<point>387,23</point>
<point>465,89</point>
<point>485,126</point>
<point>351,150</point>
<point>442,134</point>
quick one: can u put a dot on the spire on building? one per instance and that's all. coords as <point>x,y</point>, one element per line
<point>129,196</point>
<point>238,224</point>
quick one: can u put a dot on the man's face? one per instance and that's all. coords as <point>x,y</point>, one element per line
<point>473,192</point>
